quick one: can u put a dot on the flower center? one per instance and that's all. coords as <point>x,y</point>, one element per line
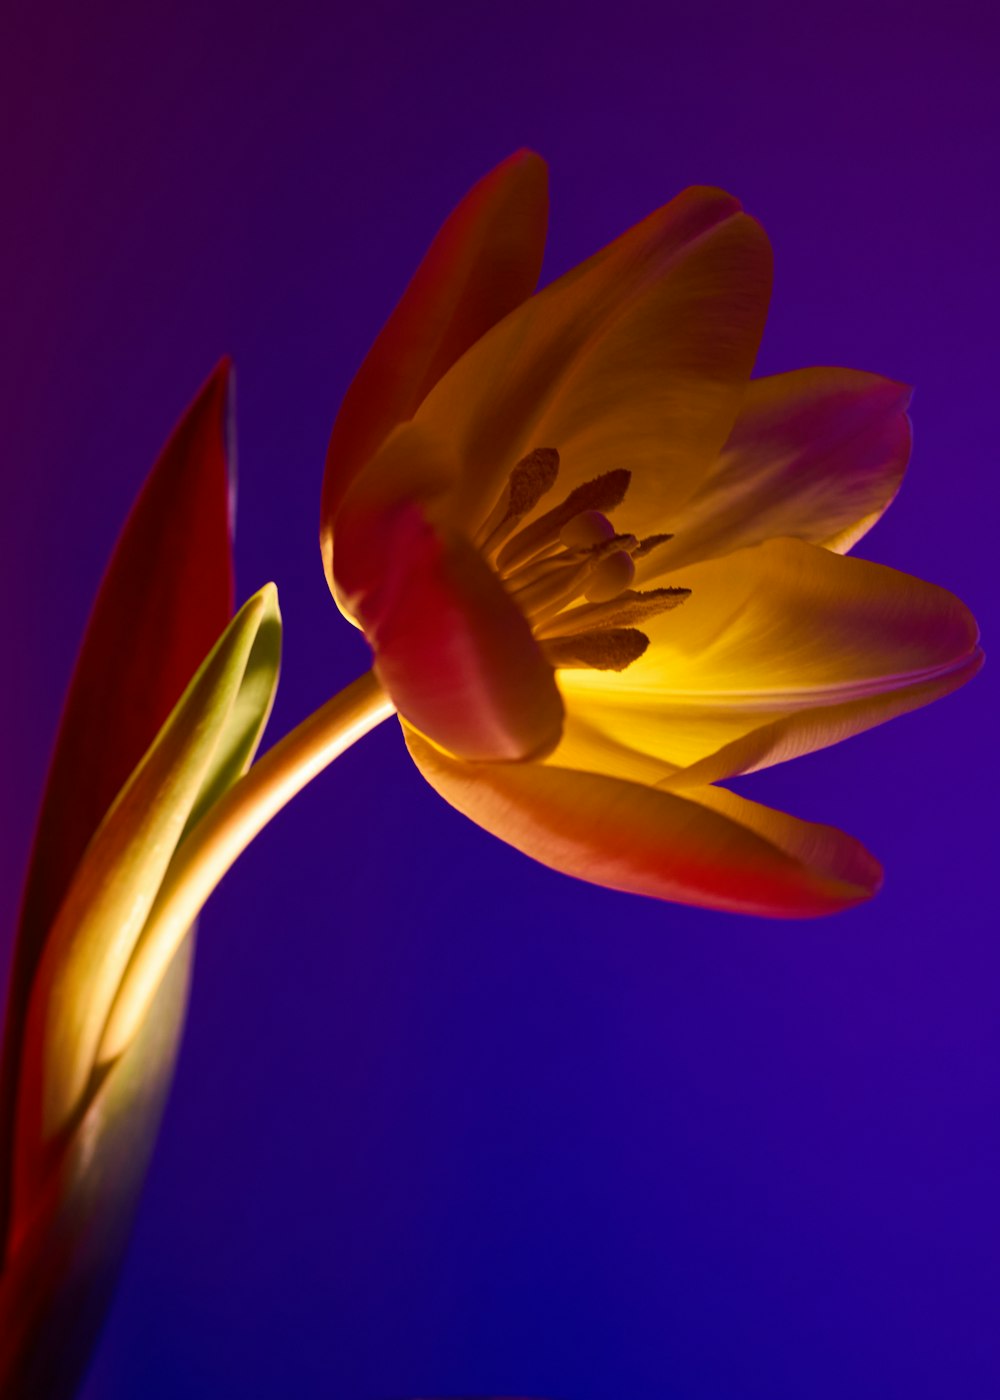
<point>568,570</point>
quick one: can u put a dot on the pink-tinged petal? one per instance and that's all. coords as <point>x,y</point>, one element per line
<point>788,634</point>
<point>806,731</point>
<point>452,650</point>
<point>484,261</point>
<point>716,851</point>
<point>637,359</point>
<point>817,454</point>
<point>166,596</point>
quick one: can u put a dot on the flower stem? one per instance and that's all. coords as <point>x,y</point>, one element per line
<point>224,834</point>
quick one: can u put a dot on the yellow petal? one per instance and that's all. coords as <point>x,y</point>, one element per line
<point>793,735</point>
<point>717,851</point>
<point>638,359</point>
<point>817,454</point>
<point>484,261</point>
<point>784,633</point>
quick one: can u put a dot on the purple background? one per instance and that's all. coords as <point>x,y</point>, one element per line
<point>446,1122</point>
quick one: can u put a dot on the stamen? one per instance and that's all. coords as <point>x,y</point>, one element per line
<point>602,494</point>
<point>551,590</point>
<point>570,553</point>
<point>650,543</point>
<point>609,649</point>
<point>609,578</point>
<point>541,565</point>
<point>629,607</point>
<point>589,527</point>
<point>530,480</point>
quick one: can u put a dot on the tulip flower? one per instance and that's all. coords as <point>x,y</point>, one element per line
<point>603,570</point>
<point>152,733</point>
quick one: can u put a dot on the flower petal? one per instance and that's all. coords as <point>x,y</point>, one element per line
<point>452,650</point>
<point>817,454</point>
<point>706,848</point>
<point>638,359</point>
<point>804,732</point>
<point>484,261</point>
<point>784,633</point>
<point>168,590</point>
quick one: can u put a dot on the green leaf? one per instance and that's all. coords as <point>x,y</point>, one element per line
<point>208,740</point>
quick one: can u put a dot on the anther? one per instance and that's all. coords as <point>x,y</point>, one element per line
<point>609,649</point>
<point>602,494</point>
<point>569,554</point>
<point>530,480</point>
<point>650,543</point>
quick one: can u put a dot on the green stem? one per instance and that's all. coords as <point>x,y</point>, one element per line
<point>225,832</point>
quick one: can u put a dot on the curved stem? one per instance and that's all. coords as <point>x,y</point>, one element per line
<point>225,832</point>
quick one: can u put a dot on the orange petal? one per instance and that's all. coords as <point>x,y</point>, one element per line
<point>484,261</point>
<point>452,650</point>
<point>784,633</point>
<point>711,849</point>
<point>817,454</point>
<point>166,596</point>
<point>637,359</point>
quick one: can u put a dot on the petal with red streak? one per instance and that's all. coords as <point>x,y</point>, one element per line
<point>453,651</point>
<point>707,848</point>
<point>484,261</point>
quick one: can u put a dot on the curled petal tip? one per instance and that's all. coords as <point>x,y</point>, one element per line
<point>524,155</point>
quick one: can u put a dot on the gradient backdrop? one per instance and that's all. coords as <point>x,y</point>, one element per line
<point>445,1122</point>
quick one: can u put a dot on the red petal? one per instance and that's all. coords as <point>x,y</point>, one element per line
<point>709,848</point>
<point>484,261</point>
<point>453,651</point>
<point>165,598</point>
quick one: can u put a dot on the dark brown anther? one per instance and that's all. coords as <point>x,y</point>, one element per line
<point>602,494</point>
<point>606,649</point>
<point>532,478</point>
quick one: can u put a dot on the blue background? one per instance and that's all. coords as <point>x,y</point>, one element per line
<point>446,1122</point>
